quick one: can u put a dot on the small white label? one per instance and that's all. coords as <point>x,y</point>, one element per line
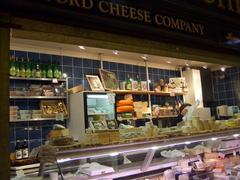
<point>221,155</point>
<point>55,81</point>
<point>59,117</point>
<point>111,98</point>
<point>234,153</point>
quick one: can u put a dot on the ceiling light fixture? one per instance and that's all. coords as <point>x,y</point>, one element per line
<point>187,64</point>
<point>204,67</point>
<point>145,56</point>
<point>169,62</point>
<point>115,52</point>
<point>82,47</point>
<point>223,69</point>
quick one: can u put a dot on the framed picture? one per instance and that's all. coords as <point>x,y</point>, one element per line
<point>95,83</point>
<point>109,80</point>
<point>112,124</point>
<point>98,125</point>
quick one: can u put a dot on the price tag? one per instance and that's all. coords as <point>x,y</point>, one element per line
<point>221,155</point>
<point>234,153</point>
<point>55,81</point>
<point>59,117</point>
<point>111,98</point>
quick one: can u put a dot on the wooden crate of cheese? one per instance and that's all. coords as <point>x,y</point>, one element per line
<point>51,108</point>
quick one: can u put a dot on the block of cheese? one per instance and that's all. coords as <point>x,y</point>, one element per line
<point>211,155</point>
<point>59,133</point>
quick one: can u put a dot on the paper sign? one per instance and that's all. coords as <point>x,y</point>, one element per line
<point>55,81</point>
<point>59,117</point>
<point>111,98</point>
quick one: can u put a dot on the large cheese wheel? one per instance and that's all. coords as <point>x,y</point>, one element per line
<point>125,103</point>
<point>123,109</point>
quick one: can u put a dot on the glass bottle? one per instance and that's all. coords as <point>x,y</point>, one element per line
<point>59,70</point>
<point>33,67</point>
<point>139,86</point>
<point>12,70</point>
<point>25,152</point>
<point>22,68</point>
<point>17,67</point>
<point>44,71</point>
<point>49,70</point>
<point>18,150</point>
<point>55,70</point>
<point>28,68</point>
<point>128,83</point>
<point>38,71</point>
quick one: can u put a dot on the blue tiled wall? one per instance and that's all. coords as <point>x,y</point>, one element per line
<point>76,69</point>
<point>226,86</point>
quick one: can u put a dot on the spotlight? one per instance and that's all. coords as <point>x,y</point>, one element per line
<point>115,52</point>
<point>82,47</point>
<point>223,69</point>
<point>145,56</point>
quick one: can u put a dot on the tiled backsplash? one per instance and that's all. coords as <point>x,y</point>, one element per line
<point>76,69</point>
<point>226,86</point>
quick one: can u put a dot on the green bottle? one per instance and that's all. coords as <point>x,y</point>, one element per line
<point>22,68</point>
<point>59,70</point>
<point>17,67</point>
<point>44,71</point>
<point>28,69</point>
<point>128,83</point>
<point>49,71</point>
<point>33,65</point>
<point>55,71</point>
<point>139,86</point>
<point>12,70</point>
<point>38,71</point>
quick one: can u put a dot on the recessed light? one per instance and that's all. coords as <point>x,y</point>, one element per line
<point>82,47</point>
<point>223,69</point>
<point>187,64</point>
<point>213,139</point>
<point>204,67</point>
<point>144,57</point>
<point>114,154</point>
<point>115,52</point>
<point>169,62</point>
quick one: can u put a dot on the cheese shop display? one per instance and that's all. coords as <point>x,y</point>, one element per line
<point>152,124</point>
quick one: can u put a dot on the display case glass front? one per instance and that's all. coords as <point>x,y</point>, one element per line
<point>100,110</point>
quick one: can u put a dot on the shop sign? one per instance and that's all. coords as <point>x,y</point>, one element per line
<point>149,19</point>
<point>232,6</point>
<point>135,14</point>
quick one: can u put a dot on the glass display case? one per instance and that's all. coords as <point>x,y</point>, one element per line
<point>199,156</point>
<point>91,109</point>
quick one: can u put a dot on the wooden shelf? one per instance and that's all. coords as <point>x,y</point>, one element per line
<point>37,119</point>
<point>38,97</point>
<point>37,79</point>
<point>147,93</point>
<point>131,92</point>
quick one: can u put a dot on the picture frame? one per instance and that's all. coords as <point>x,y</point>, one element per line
<point>109,80</point>
<point>112,124</point>
<point>94,83</point>
<point>98,125</point>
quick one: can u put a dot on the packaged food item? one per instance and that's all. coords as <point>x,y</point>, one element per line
<point>123,109</point>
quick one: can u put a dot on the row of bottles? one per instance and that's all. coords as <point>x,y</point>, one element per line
<point>21,150</point>
<point>129,84</point>
<point>27,68</point>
